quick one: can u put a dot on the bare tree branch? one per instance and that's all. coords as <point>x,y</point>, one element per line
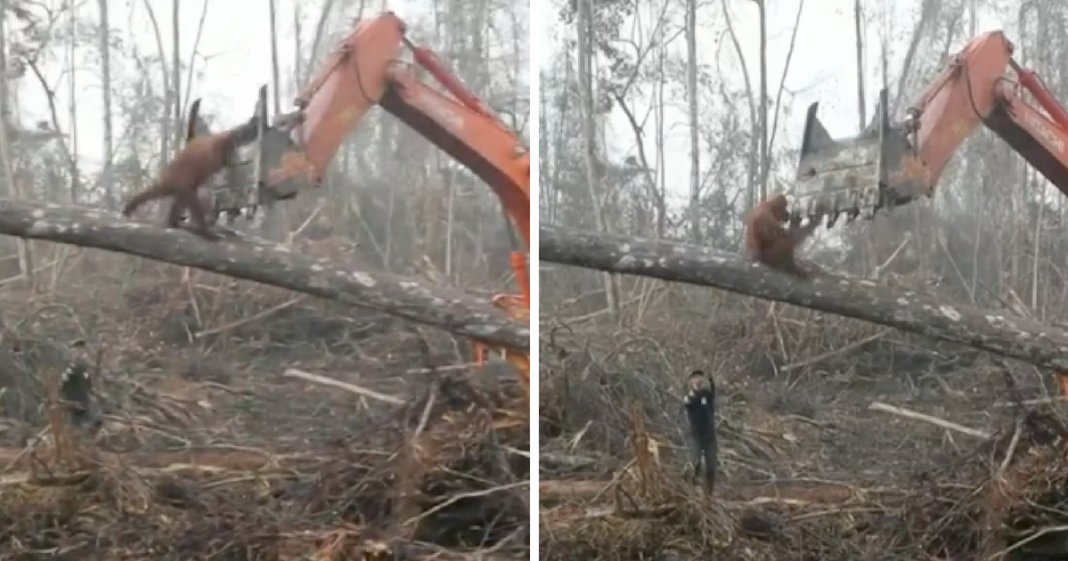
<point>193,56</point>
<point>165,122</point>
<point>438,306</point>
<point>751,172</point>
<point>996,332</point>
<point>50,96</point>
<point>782,80</point>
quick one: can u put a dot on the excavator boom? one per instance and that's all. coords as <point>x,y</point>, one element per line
<point>364,71</point>
<point>293,153</point>
<point>892,164</point>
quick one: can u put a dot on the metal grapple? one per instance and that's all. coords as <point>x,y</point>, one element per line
<point>243,187</point>
<point>857,176</point>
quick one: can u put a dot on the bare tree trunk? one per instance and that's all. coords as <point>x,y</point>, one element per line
<point>388,145</point>
<point>691,92</point>
<point>274,58</point>
<point>751,155</point>
<point>73,107</point>
<point>320,28</point>
<point>928,12</point>
<point>298,74</point>
<point>1010,336</point>
<point>53,111</point>
<point>193,55</point>
<point>450,219</point>
<point>660,184</point>
<point>165,122</point>
<point>25,255</point>
<point>390,210</point>
<point>585,55</point>
<point>765,163</point>
<point>782,79</point>
<point>176,69</point>
<point>5,102</point>
<point>443,307</point>
<point>104,37</point>
<point>1036,250</point>
<point>858,21</point>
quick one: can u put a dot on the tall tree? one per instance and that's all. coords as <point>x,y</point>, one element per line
<point>6,156</point>
<point>691,93</point>
<point>752,155</point>
<point>858,22</point>
<point>584,24</point>
<point>176,70</point>
<point>5,108</point>
<point>104,44</point>
<point>274,58</point>
<point>765,159</point>
<point>72,74</point>
<point>165,120</point>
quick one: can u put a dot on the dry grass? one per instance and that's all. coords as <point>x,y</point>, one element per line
<point>809,471</point>
<point>210,452</point>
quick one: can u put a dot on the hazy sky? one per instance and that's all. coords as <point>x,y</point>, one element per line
<point>823,68</point>
<point>235,41</point>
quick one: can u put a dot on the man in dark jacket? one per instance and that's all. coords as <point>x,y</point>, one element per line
<point>76,389</point>
<point>700,402</point>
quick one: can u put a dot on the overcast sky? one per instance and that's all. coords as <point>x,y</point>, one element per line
<point>823,68</point>
<point>235,42</point>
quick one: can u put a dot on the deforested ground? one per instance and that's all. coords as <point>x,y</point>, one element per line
<point>209,450</point>
<point>810,469</point>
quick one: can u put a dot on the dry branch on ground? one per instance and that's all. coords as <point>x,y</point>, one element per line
<point>244,258</point>
<point>971,510</point>
<point>809,471</point>
<point>209,451</point>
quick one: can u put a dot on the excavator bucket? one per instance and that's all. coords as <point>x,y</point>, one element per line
<point>859,175</point>
<point>243,186</point>
<point>275,145</point>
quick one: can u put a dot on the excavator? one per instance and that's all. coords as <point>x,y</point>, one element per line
<point>892,164</point>
<point>292,153</point>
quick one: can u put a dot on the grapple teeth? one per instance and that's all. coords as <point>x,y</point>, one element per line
<point>810,210</point>
<point>875,169</point>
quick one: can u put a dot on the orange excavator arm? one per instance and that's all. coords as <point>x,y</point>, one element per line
<point>366,70</point>
<point>892,164</point>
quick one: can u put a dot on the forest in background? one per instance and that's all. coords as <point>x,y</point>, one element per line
<point>643,72</point>
<point>408,206</point>
<point>837,439</point>
<point>232,419</point>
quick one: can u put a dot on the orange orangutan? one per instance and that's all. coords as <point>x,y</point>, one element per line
<point>191,169</point>
<point>770,241</point>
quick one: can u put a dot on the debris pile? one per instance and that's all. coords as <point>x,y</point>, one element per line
<point>812,471</point>
<point>974,511</point>
<point>209,450</point>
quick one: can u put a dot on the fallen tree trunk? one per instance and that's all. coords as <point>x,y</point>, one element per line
<point>996,332</point>
<point>271,264</point>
